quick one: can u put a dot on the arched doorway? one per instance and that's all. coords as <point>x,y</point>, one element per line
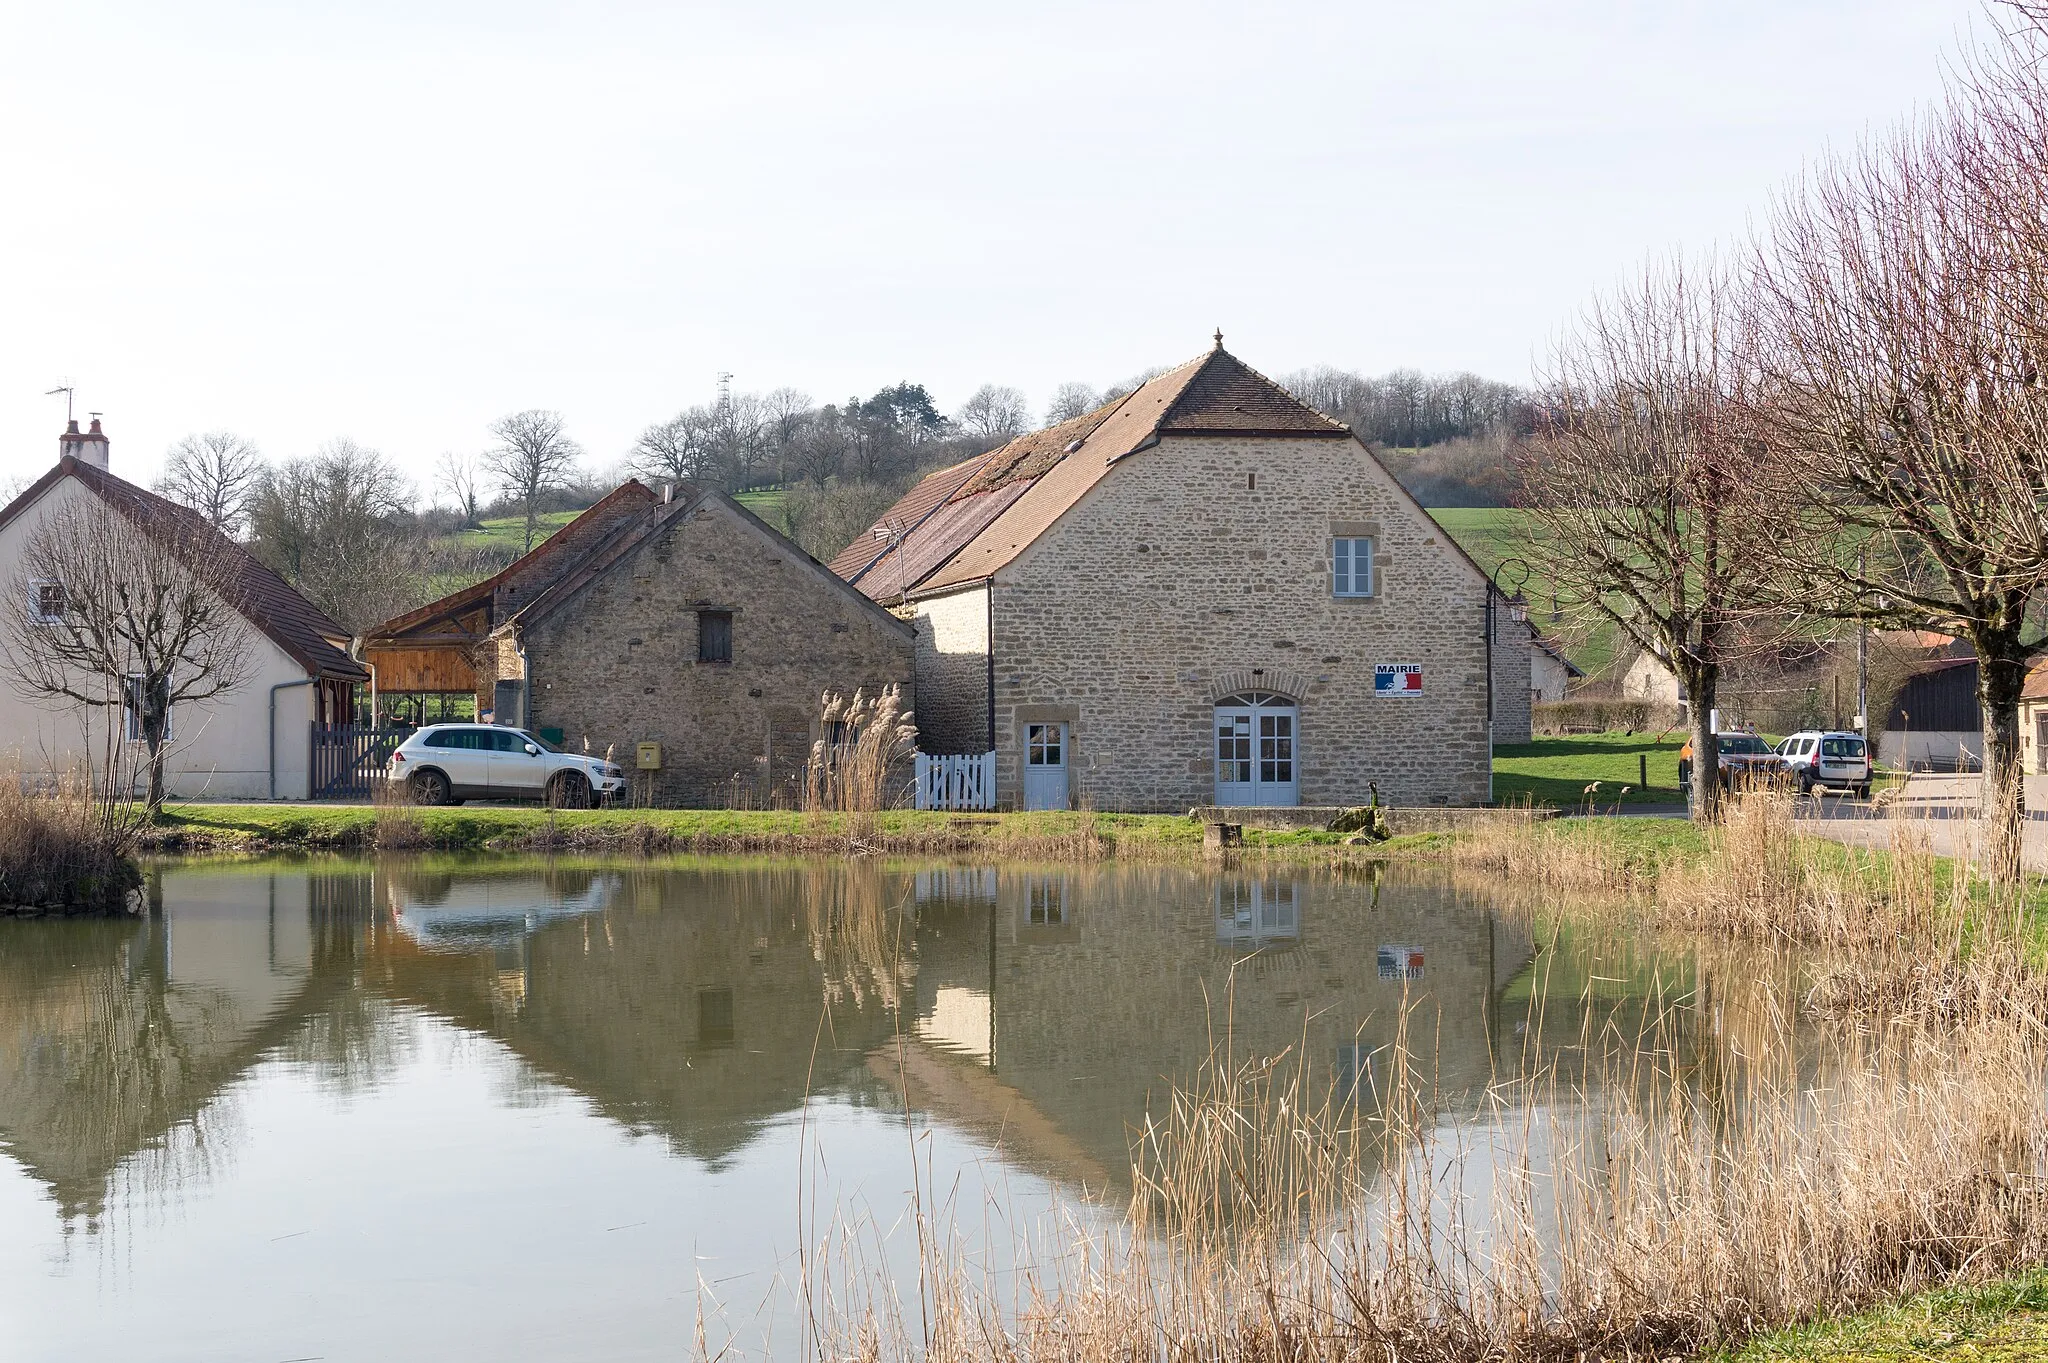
<point>1255,750</point>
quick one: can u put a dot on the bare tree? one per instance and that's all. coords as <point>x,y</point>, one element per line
<point>532,457</point>
<point>994,415</point>
<point>1070,400</point>
<point>130,610</point>
<point>1904,416</point>
<point>461,477</point>
<point>678,450</point>
<point>337,526</point>
<point>216,474</point>
<point>1630,483</point>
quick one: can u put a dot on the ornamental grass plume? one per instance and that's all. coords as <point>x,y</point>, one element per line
<point>861,746</point>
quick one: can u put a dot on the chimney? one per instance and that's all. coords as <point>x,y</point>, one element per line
<point>90,448</point>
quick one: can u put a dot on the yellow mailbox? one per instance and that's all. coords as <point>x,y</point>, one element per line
<point>648,757</point>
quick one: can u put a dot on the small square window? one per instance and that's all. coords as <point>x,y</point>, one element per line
<point>46,602</point>
<point>714,636</point>
<point>714,1017</point>
<point>132,708</point>
<point>1351,567</point>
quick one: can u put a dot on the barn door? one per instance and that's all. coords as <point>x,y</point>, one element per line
<point>1045,766</point>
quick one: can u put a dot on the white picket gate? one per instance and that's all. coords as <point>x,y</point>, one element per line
<point>957,781</point>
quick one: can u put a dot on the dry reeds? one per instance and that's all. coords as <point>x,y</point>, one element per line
<point>397,825</point>
<point>64,849</point>
<point>1639,1197</point>
<point>858,755</point>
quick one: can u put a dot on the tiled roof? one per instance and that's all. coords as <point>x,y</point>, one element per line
<point>1008,498</point>
<point>2037,683</point>
<point>629,532</point>
<point>532,573</point>
<point>307,634</point>
<point>928,496</point>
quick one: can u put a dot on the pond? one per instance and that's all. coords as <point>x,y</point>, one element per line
<point>434,1109</point>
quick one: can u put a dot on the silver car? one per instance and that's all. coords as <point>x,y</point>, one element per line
<point>449,763</point>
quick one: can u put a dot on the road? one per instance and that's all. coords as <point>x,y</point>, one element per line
<point>1944,808</point>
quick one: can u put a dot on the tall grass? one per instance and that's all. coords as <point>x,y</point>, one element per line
<point>1620,1196</point>
<point>857,761</point>
<point>64,849</point>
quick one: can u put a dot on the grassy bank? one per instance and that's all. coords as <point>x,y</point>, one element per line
<point>2001,1322</point>
<point>1589,769</point>
<point>261,828</point>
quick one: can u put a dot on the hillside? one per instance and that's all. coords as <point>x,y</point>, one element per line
<point>1491,535</point>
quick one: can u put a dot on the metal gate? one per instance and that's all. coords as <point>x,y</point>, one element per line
<point>348,759</point>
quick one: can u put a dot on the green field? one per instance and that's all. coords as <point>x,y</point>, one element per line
<point>1588,769</point>
<point>765,502</point>
<point>507,534</point>
<point>1492,535</point>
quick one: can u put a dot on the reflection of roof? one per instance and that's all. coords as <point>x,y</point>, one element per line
<point>963,523</point>
<point>307,634</point>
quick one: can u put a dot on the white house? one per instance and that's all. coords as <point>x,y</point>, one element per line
<point>253,743</point>
<point>1550,672</point>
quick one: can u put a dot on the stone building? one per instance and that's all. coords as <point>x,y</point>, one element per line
<point>686,623</point>
<point>1202,592</point>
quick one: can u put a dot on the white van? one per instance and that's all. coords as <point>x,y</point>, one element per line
<point>1818,759</point>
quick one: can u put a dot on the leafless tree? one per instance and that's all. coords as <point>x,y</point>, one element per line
<point>336,526</point>
<point>1630,482</point>
<point>994,414</point>
<point>1904,414</point>
<point>1070,400</point>
<point>678,450</point>
<point>532,457</point>
<point>824,520</point>
<point>128,609</point>
<point>216,474</point>
<point>461,476</point>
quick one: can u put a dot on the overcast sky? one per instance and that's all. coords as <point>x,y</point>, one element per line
<point>397,221</point>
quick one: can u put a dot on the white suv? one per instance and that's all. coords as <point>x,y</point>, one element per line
<point>449,763</point>
<point>1816,760</point>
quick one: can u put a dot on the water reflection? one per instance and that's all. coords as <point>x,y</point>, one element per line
<point>1034,1014</point>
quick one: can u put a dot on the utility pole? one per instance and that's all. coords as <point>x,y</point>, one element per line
<point>1863,660</point>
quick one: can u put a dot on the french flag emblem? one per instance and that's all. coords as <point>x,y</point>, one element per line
<point>1397,679</point>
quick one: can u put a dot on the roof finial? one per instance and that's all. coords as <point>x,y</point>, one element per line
<point>1219,338</point>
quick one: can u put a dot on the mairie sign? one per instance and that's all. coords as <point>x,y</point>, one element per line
<point>1397,679</point>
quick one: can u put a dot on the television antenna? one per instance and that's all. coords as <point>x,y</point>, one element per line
<point>69,391</point>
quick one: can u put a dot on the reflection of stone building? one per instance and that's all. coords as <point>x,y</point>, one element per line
<point>115,1032</point>
<point>1105,986</point>
<point>689,1002</point>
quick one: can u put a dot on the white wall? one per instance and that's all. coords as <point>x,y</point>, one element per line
<point>1548,677</point>
<point>220,748</point>
<point>1935,751</point>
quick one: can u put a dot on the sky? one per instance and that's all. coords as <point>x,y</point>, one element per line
<point>396,221</point>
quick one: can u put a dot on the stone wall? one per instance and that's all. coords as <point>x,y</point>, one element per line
<point>1202,566</point>
<point>1513,675</point>
<point>952,672</point>
<point>617,666</point>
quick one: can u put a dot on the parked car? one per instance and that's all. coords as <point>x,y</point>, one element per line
<point>1820,759</point>
<point>449,763</point>
<point>1745,758</point>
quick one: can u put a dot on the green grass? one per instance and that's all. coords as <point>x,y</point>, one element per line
<point>765,502</point>
<point>1557,771</point>
<point>1491,535</point>
<point>489,827</point>
<point>507,534</point>
<point>2003,1322</point>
